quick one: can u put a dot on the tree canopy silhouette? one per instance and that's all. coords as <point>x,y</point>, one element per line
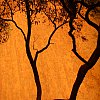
<point>31,8</point>
<point>58,12</point>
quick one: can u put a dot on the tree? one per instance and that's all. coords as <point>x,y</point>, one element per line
<point>31,8</point>
<point>59,13</point>
<point>70,7</point>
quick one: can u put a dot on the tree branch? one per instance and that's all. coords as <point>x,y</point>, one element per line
<point>74,42</point>
<point>50,19</point>
<point>51,37</point>
<point>72,17</point>
<point>11,20</point>
<point>82,3</point>
<point>65,7</point>
<point>55,10</point>
<point>92,60</point>
<point>10,9</point>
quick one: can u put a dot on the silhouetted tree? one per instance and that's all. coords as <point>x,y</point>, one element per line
<point>71,6</point>
<point>7,10</point>
<point>59,12</point>
<point>31,8</point>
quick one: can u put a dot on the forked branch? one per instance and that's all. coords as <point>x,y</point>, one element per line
<point>50,37</point>
<point>72,29</point>
<point>92,60</point>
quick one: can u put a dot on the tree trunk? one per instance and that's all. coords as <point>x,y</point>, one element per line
<point>35,71</point>
<point>82,72</point>
<point>32,62</point>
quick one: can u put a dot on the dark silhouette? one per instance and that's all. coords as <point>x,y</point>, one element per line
<point>72,11</point>
<point>66,14</point>
<point>27,7</point>
<point>4,34</point>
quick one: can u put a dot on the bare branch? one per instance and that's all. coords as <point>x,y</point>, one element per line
<point>81,15</point>
<point>34,42</point>
<point>72,17</point>
<point>50,19</point>
<point>65,7</point>
<point>82,3</point>
<point>51,38</point>
<point>87,15</point>
<point>10,20</point>
<point>74,42</point>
